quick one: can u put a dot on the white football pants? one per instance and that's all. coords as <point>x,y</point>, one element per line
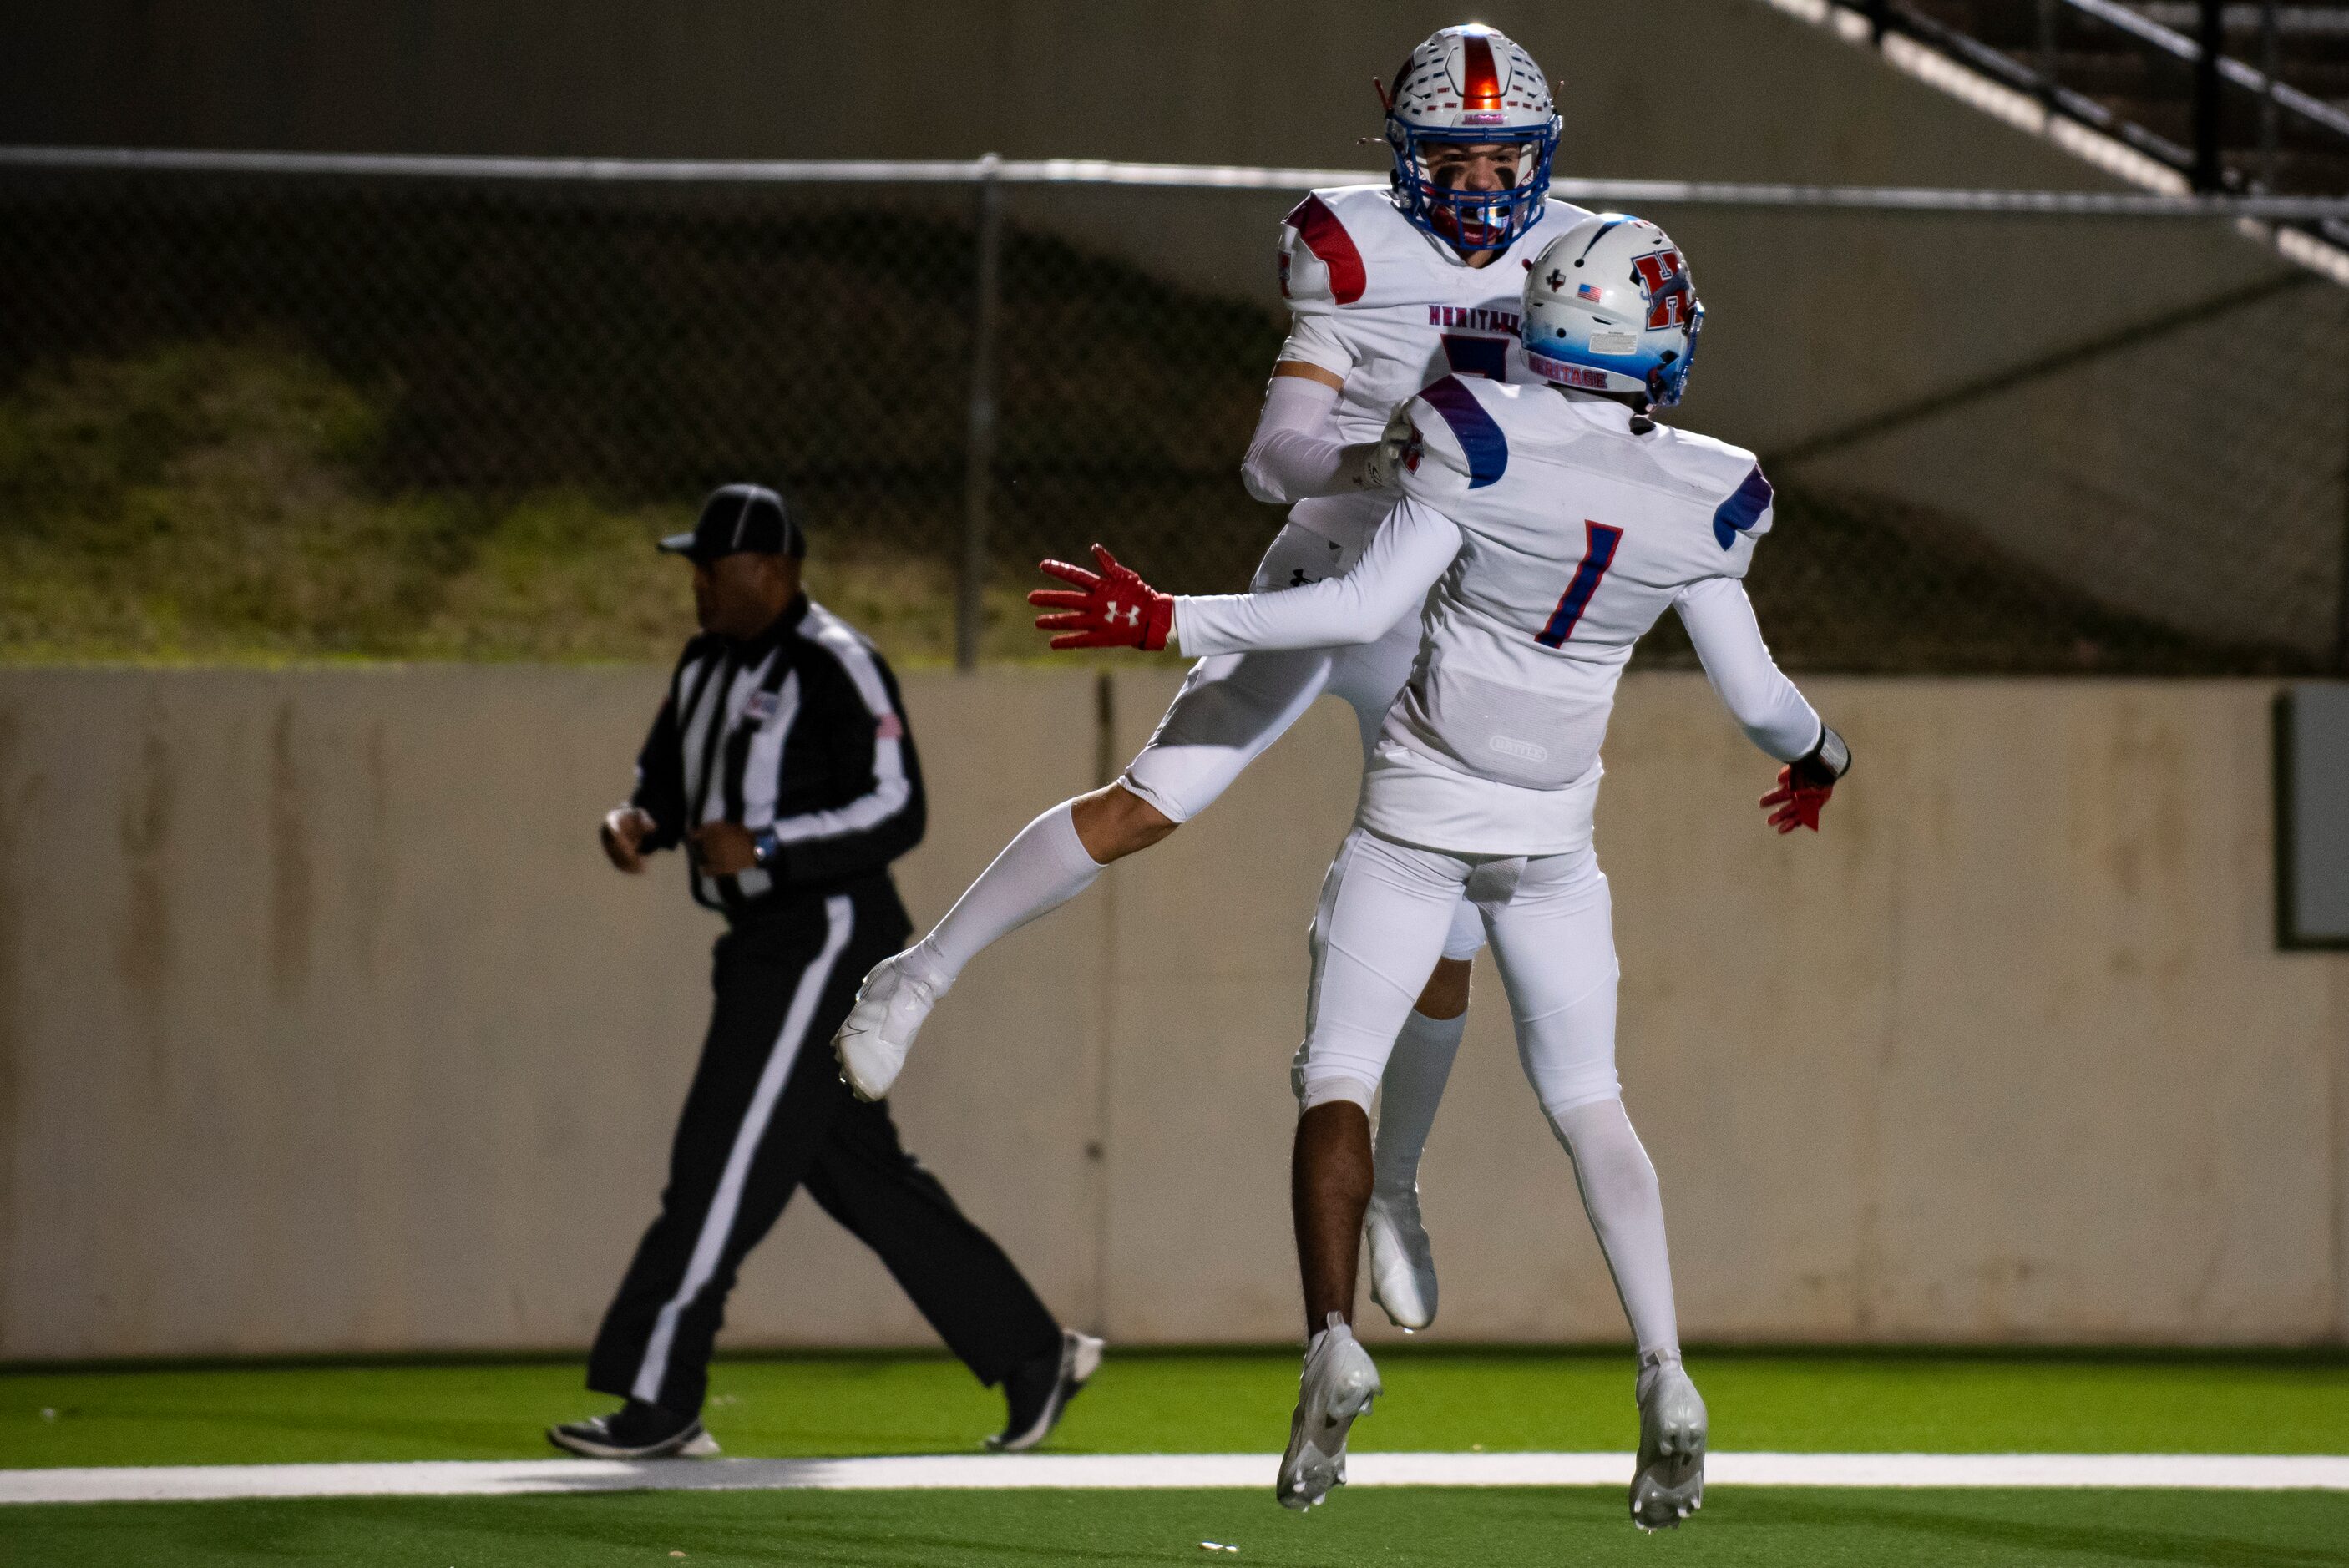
<point>1234,706</point>
<point>1384,910</point>
<point>1384,913</point>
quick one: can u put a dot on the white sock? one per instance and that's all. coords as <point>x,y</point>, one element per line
<point>1626,1209</point>
<point>1037,871</point>
<point>1408,1094</point>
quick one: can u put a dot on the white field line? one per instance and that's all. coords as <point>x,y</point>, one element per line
<point>161,1483</point>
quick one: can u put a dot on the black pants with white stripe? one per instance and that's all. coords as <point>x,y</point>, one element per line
<point>767,1113</point>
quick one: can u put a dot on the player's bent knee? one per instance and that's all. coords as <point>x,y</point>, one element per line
<point>1573,1100</point>
<point>1114,822</point>
<point>1315,1089</point>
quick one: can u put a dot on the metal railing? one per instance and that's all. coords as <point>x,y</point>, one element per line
<point>993,170</point>
<point>2202,54</point>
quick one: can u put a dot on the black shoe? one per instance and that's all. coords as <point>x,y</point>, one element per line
<point>1037,1392</point>
<point>635,1431</point>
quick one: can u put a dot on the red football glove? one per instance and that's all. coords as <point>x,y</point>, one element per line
<point>1805,783</point>
<point>1113,608</point>
<point>1798,802</point>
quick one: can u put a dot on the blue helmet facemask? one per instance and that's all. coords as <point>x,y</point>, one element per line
<point>1471,219</point>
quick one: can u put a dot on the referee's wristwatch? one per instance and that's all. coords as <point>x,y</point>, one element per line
<point>766,849</point>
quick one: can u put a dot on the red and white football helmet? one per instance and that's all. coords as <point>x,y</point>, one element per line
<point>1609,306</point>
<point>1471,86</point>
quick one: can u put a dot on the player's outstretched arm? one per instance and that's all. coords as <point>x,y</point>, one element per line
<point>1411,550</point>
<point>1765,704</point>
<point>1114,608</point>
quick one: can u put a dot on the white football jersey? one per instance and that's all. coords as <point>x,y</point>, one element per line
<point>1576,533</point>
<point>1389,308</point>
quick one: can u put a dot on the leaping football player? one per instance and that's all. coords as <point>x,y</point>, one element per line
<point>1544,528</point>
<point>1388,287</point>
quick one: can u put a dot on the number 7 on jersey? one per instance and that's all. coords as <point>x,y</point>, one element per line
<point>1598,555</point>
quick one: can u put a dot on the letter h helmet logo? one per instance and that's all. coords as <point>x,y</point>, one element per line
<point>1663,278</point>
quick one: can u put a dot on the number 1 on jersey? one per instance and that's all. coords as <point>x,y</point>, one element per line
<point>1598,555</point>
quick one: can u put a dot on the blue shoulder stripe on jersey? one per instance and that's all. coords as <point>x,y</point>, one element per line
<point>1480,439</point>
<point>1742,509</point>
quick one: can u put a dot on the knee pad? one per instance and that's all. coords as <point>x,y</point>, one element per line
<point>1568,1056</point>
<point>1313,1086</point>
<point>1572,1088</point>
<point>1230,708</point>
<point>1168,805</point>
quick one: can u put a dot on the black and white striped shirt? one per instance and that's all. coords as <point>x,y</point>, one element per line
<point>798,729</point>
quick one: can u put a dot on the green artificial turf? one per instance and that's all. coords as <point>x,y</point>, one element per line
<point>1421,1526</point>
<point>1141,1402</point>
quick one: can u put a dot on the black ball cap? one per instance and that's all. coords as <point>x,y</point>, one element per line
<point>737,517</point>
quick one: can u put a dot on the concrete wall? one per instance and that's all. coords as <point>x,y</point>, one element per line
<point>323,1027</point>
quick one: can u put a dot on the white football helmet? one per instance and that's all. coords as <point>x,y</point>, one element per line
<point>1472,86</point>
<point>1609,307</point>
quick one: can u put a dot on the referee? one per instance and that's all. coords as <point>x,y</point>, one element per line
<point>782,763</point>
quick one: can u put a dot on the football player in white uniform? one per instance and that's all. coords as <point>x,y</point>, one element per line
<point>1388,287</point>
<point>1543,528</point>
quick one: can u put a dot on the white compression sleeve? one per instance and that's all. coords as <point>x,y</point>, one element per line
<point>1773,713</point>
<point>1295,452</point>
<point>1040,869</point>
<point>1405,557</point>
<point>1627,1209</point>
<point>1409,1092</point>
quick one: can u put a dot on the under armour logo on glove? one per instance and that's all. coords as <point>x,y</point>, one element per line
<point>1113,608</point>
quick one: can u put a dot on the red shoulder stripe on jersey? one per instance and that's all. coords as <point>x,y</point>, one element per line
<point>1320,230</point>
<point>1482,88</point>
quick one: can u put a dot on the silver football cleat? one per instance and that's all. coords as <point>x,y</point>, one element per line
<point>891,1006</point>
<point>1402,1262</point>
<point>1668,1484</point>
<point>1339,1383</point>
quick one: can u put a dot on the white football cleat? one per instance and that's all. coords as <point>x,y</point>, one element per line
<point>1402,1262</point>
<point>1339,1383</point>
<point>1668,1484</point>
<point>891,1005</point>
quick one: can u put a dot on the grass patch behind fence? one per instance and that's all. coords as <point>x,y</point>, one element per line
<point>225,502</point>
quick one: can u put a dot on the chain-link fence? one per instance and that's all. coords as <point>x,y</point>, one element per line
<point>345,411</point>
